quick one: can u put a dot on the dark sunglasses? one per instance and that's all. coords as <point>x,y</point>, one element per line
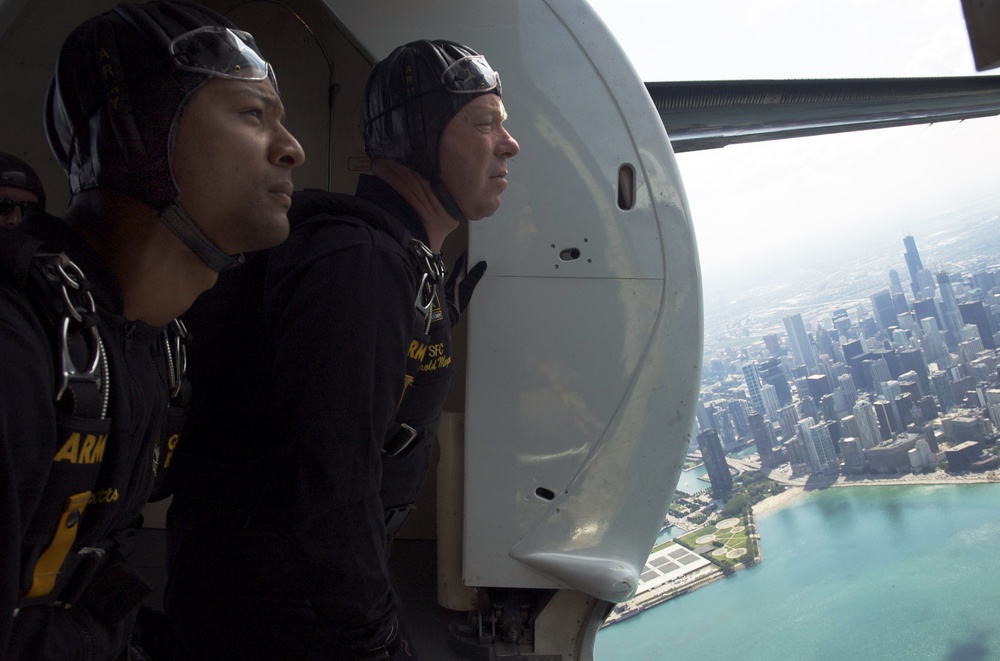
<point>7,205</point>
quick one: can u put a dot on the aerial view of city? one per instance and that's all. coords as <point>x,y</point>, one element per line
<point>875,367</point>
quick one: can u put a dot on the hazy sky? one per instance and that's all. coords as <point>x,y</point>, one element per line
<point>804,194</point>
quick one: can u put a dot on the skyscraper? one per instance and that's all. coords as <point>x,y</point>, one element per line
<point>770,397</point>
<point>819,447</point>
<point>753,386</point>
<point>818,385</point>
<point>846,383</point>
<point>867,421</point>
<point>884,309</point>
<point>975,313</point>
<point>772,344</point>
<point>895,285</point>
<point>770,372</point>
<point>913,263</point>
<point>913,360</point>
<point>949,309</point>
<point>715,463</point>
<point>933,344</point>
<point>798,339</point>
<point>763,438</point>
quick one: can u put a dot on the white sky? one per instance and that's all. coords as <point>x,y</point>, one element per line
<point>775,198</point>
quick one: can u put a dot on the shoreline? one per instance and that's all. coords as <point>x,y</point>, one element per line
<point>795,488</point>
<point>794,491</point>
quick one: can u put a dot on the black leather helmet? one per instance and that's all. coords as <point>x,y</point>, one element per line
<point>120,84</point>
<point>411,96</point>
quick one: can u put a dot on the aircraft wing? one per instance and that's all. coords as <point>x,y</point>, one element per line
<point>712,114</point>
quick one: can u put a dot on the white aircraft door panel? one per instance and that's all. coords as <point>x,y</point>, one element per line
<point>584,336</point>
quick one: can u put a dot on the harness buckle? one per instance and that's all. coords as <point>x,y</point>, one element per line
<point>401,439</point>
<point>79,310</point>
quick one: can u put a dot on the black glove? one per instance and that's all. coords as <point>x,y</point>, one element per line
<point>459,287</point>
<point>397,647</point>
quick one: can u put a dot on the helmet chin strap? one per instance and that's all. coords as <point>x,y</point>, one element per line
<point>447,201</point>
<point>181,224</point>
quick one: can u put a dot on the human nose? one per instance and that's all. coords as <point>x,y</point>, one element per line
<point>507,147</point>
<point>286,150</point>
<point>12,219</point>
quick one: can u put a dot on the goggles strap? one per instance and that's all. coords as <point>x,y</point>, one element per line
<point>447,201</point>
<point>181,224</point>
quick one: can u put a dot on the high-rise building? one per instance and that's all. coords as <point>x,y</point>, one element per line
<point>771,405</point>
<point>975,313</point>
<point>933,344</point>
<point>949,308</point>
<point>900,304</point>
<point>770,372</point>
<point>927,307</point>
<point>753,386</point>
<point>970,349</point>
<point>846,383</point>
<point>818,385</point>
<point>715,463</point>
<point>913,263</point>
<point>877,372</point>
<point>864,415</point>
<point>854,457</point>
<point>849,427</point>
<point>888,419</point>
<point>798,339</point>
<point>818,446</point>
<point>852,349</point>
<point>884,309</point>
<point>928,408</point>
<point>763,438</point>
<point>773,344</point>
<point>895,284</point>
<point>906,408</point>
<point>993,406</point>
<point>943,390</point>
<point>788,419</point>
<point>912,360</point>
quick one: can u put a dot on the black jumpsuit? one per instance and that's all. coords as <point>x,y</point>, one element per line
<point>295,387</point>
<point>38,447</point>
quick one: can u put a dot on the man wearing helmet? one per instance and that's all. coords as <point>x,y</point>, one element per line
<point>21,190</point>
<point>147,102</point>
<point>316,434</point>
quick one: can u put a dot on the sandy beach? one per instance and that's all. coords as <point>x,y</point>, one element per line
<point>793,492</point>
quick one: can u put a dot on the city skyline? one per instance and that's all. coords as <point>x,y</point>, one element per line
<point>753,204</point>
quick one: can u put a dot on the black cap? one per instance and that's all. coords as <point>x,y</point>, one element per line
<point>17,174</point>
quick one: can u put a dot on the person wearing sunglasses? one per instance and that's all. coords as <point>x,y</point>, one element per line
<point>21,190</point>
<point>169,126</point>
<point>310,445</point>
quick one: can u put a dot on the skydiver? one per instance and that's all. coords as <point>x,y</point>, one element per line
<point>302,460</point>
<point>168,124</point>
<point>21,190</point>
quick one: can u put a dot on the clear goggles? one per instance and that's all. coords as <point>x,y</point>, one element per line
<point>221,52</point>
<point>471,74</point>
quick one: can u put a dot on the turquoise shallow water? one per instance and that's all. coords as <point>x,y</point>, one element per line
<point>870,573</point>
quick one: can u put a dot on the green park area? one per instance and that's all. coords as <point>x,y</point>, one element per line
<point>727,543</point>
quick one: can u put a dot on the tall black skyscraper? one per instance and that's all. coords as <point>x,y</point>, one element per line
<point>715,463</point>
<point>975,313</point>
<point>913,263</point>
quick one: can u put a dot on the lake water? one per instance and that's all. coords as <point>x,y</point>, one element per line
<point>894,573</point>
